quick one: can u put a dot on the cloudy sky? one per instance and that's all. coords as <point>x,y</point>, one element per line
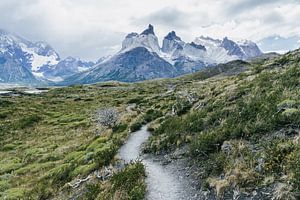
<point>94,28</point>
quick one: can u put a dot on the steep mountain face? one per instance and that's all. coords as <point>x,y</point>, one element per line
<point>232,48</point>
<point>186,57</point>
<point>65,68</point>
<point>13,71</point>
<point>141,57</point>
<point>138,64</point>
<point>250,49</point>
<point>221,51</point>
<point>22,55</point>
<point>34,56</point>
<point>146,39</point>
<point>174,58</point>
<point>26,62</point>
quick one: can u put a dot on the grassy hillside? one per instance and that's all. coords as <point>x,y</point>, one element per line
<point>243,131</point>
<point>50,139</point>
<point>239,120</point>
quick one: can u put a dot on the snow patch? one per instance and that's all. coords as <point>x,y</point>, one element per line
<point>38,74</point>
<point>55,79</point>
<point>82,69</point>
<point>37,61</point>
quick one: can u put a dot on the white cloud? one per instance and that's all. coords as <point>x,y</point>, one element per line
<point>91,29</point>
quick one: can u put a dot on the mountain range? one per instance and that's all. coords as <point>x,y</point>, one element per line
<point>140,58</point>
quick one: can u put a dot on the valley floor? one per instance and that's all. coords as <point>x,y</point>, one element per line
<point>228,132</point>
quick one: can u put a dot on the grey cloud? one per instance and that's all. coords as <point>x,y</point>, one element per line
<point>34,25</point>
<point>91,30</point>
<point>168,17</point>
<point>246,5</point>
<point>92,45</point>
<point>273,17</point>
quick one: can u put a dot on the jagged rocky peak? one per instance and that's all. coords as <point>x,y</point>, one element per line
<point>146,39</point>
<point>198,46</point>
<point>227,42</point>
<point>69,59</point>
<point>232,48</point>
<point>172,36</point>
<point>172,43</point>
<point>131,35</point>
<point>44,49</point>
<point>149,30</point>
<point>250,48</point>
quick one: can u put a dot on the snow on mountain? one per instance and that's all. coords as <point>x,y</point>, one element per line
<point>23,60</point>
<point>175,47</point>
<point>146,39</point>
<point>221,51</point>
<point>249,48</point>
<point>35,54</point>
<point>40,58</point>
<point>67,67</point>
<point>140,58</point>
<point>187,57</point>
<point>138,64</point>
<point>214,52</point>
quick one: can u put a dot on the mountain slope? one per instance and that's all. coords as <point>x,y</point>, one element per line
<point>239,133</point>
<point>39,59</point>
<point>233,136</point>
<point>33,55</point>
<point>14,72</point>
<point>66,67</point>
<point>135,65</point>
<point>24,60</point>
<point>175,58</point>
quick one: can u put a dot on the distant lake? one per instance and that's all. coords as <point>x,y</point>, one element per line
<point>7,89</point>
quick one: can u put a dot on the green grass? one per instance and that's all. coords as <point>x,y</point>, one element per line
<point>51,139</point>
<point>246,107</point>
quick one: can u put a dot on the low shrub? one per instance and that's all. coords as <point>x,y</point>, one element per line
<point>151,115</point>
<point>131,180</point>
<point>92,191</point>
<point>27,121</point>
<point>135,126</point>
<point>119,128</point>
<point>206,143</point>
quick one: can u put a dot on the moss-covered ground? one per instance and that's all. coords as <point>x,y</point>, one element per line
<point>243,128</point>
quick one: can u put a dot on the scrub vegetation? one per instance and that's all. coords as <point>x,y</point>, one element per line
<point>242,130</point>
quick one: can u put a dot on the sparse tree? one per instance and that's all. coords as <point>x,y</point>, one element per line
<point>107,117</point>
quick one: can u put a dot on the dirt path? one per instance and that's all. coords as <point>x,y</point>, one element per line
<point>163,182</point>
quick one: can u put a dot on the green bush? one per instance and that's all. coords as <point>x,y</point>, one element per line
<point>214,165</point>
<point>206,143</point>
<point>27,121</point>
<point>61,174</point>
<point>137,100</point>
<point>296,169</point>
<point>135,126</point>
<point>182,107</point>
<point>104,155</point>
<point>119,128</point>
<point>151,115</point>
<point>8,147</point>
<point>131,180</point>
<point>92,191</point>
<point>276,153</point>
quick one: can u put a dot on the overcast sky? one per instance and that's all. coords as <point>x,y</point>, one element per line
<point>90,29</point>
